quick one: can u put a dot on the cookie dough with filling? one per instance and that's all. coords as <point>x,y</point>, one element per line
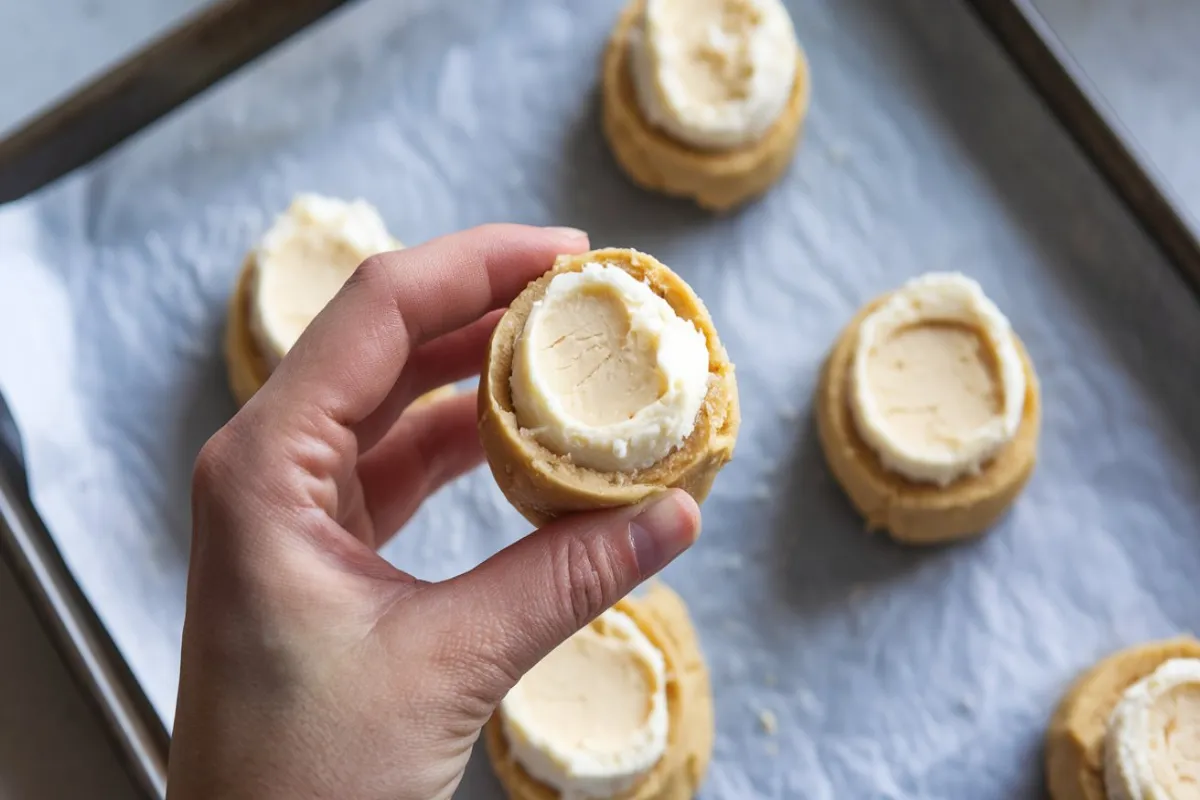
<point>296,269</point>
<point>1129,728</point>
<point>928,411</point>
<point>605,372</point>
<point>622,710</point>
<point>605,383</point>
<point>704,98</point>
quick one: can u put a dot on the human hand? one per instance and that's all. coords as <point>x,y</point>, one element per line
<point>313,668</point>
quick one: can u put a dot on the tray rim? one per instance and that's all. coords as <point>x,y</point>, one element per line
<point>147,85</point>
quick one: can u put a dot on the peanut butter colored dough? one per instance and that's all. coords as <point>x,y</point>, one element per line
<point>663,618</point>
<point>1075,737</point>
<point>715,179</point>
<point>543,485</point>
<point>918,513</point>
<point>247,368</point>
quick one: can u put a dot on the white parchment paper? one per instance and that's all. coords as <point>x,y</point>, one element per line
<point>892,672</point>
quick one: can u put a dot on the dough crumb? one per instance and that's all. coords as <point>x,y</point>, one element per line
<point>766,718</point>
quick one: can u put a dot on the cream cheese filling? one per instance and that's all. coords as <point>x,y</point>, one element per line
<point>1152,747</point>
<point>302,262</point>
<point>590,720</point>
<point>937,383</point>
<point>714,74</point>
<point>606,373</point>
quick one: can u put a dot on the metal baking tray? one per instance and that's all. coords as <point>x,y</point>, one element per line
<point>230,34</point>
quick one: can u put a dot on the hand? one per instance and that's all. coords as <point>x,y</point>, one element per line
<point>313,668</point>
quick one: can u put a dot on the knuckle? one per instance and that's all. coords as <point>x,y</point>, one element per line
<point>212,464</point>
<point>371,276</point>
<point>587,577</point>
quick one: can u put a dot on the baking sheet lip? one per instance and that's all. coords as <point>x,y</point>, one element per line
<point>28,547</point>
<point>82,641</point>
<point>1046,65</point>
<point>131,95</point>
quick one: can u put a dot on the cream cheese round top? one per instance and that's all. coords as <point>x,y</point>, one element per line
<point>606,373</point>
<point>302,262</point>
<point>1152,747</point>
<point>937,384</point>
<point>714,74</point>
<point>590,719</point>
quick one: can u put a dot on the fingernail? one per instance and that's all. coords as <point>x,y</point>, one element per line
<point>567,233</point>
<point>666,527</point>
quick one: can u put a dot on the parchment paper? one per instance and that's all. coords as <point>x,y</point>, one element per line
<point>891,672</point>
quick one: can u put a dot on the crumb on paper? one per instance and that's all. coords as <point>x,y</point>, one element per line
<point>839,153</point>
<point>770,681</point>
<point>771,748</point>
<point>761,492</point>
<point>766,718</point>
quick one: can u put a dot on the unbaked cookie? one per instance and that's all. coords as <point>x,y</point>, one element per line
<point>1075,741</point>
<point>605,383</point>
<point>704,98</point>
<point>662,619</point>
<point>931,427</point>
<point>298,267</point>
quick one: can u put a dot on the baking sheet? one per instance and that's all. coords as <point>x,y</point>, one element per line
<point>891,672</point>
<point>1149,80</point>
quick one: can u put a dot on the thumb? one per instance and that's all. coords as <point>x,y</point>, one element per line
<point>530,597</point>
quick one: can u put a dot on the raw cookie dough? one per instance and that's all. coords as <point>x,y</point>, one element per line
<point>321,240</point>
<point>662,617</point>
<point>724,164</point>
<point>921,492</point>
<point>631,412</point>
<point>1075,740</point>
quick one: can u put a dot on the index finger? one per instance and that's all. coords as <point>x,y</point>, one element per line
<point>348,359</point>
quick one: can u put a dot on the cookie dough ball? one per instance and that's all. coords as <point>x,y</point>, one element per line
<point>622,710</point>
<point>1129,729</point>
<point>297,268</point>
<point>704,98</point>
<point>605,383</point>
<point>928,411</point>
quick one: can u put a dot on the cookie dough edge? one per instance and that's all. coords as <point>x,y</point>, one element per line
<point>911,513</point>
<point>1074,745</point>
<point>662,615</point>
<point>715,180</point>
